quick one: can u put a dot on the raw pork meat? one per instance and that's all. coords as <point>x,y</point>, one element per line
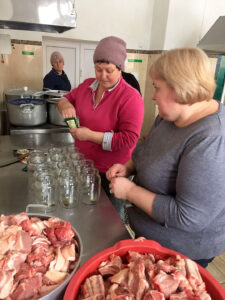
<point>138,276</point>
<point>36,256</point>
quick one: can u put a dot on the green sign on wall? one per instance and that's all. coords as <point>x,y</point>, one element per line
<point>28,52</point>
<point>135,60</point>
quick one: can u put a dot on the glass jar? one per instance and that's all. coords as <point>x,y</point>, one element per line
<point>68,189</point>
<point>91,187</point>
<point>43,194</point>
<point>34,161</point>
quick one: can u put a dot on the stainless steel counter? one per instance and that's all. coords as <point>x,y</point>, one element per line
<point>99,226</point>
<point>45,128</point>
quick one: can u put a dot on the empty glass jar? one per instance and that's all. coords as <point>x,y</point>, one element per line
<point>68,189</point>
<point>43,193</point>
<point>90,188</point>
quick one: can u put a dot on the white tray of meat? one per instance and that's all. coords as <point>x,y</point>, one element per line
<point>142,270</point>
<point>38,256</point>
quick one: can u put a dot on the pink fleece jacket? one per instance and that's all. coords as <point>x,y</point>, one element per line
<point>120,111</point>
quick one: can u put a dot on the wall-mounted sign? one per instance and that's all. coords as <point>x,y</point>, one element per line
<point>134,60</point>
<point>28,52</point>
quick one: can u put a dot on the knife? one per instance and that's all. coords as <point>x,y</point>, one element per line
<point>13,160</point>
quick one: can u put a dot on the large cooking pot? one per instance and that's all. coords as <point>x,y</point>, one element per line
<point>27,111</point>
<point>53,114</point>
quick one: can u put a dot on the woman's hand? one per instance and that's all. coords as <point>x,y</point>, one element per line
<point>123,188</point>
<point>81,133</point>
<point>117,170</point>
<point>120,187</point>
<point>66,109</point>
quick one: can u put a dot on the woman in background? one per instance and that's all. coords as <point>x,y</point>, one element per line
<point>178,193</point>
<point>109,109</point>
<point>131,79</point>
<point>56,79</point>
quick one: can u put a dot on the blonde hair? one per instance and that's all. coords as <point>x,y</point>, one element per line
<point>188,71</point>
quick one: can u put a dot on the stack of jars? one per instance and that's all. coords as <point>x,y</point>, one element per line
<point>61,175</point>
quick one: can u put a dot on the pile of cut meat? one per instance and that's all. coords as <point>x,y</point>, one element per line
<point>35,255</point>
<point>145,277</point>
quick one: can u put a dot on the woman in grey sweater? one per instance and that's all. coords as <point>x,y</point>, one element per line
<point>178,194</point>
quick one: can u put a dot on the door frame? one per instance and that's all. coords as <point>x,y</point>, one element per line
<point>83,47</point>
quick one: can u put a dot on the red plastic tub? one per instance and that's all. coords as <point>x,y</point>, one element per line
<point>213,287</point>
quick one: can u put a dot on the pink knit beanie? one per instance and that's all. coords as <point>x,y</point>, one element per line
<point>56,55</point>
<point>111,49</point>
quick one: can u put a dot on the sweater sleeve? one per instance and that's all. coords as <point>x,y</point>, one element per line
<point>200,187</point>
<point>130,118</point>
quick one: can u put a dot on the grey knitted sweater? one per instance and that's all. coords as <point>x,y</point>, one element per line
<point>185,167</point>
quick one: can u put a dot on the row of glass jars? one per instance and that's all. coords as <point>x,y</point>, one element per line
<point>61,175</point>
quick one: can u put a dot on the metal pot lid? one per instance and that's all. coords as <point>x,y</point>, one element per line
<point>53,100</point>
<point>55,93</point>
<point>24,91</point>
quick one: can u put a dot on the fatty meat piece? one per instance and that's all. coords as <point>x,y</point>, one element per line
<point>183,282</point>
<point>121,277</point>
<point>46,289</point>
<point>112,266</point>
<point>69,252</point>
<point>28,271</point>
<point>93,285</point>
<point>153,295</point>
<point>40,241</point>
<point>41,256</point>
<point>23,242</point>
<point>53,277</point>
<point>137,282</point>
<point>119,292</point>
<point>13,260</point>
<point>6,243</point>
<point>51,221</point>
<point>6,283</point>
<point>165,283</point>
<point>64,231</point>
<point>17,219</point>
<point>97,297</point>
<point>193,274</point>
<point>32,226</point>
<point>27,288</point>
<point>60,233</point>
<point>12,229</point>
<point>59,263</point>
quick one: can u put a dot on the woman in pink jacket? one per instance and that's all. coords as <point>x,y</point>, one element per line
<point>109,109</point>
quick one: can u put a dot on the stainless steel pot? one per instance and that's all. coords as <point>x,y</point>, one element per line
<point>27,112</point>
<point>53,114</point>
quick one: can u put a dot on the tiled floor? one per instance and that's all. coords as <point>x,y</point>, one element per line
<point>217,268</point>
